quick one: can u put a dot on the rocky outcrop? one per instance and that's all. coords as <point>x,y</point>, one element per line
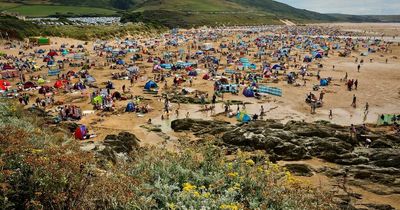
<point>375,168</point>
<point>200,126</point>
<point>114,147</point>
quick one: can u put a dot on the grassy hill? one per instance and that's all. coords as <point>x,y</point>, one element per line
<point>182,13</point>
<point>250,11</point>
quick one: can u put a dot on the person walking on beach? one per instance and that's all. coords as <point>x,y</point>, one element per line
<point>358,67</point>
<point>355,84</point>
<point>330,114</point>
<point>262,112</point>
<point>366,111</point>
<point>354,103</point>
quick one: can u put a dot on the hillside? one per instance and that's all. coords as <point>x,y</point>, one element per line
<point>194,12</point>
<point>182,13</point>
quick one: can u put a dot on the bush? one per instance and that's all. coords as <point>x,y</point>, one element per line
<point>42,170</point>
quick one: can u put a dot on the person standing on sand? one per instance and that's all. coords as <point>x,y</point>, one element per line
<point>358,67</point>
<point>330,114</point>
<point>366,108</point>
<point>355,84</point>
<point>354,103</point>
<point>123,88</point>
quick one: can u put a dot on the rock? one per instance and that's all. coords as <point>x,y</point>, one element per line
<point>299,169</point>
<point>124,142</point>
<point>381,144</point>
<point>114,147</point>
<point>198,125</point>
<point>379,207</point>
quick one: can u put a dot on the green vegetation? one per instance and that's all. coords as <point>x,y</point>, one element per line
<point>187,19</point>
<point>50,10</point>
<point>189,13</point>
<point>183,13</point>
<point>42,168</point>
<point>16,28</point>
<point>22,29</point>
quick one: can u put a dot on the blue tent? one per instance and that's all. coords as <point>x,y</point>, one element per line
<point>166,66</point>
<point>192,73</point>
<point>248,92</point>
<point>324,82</point>
<point>243,117</point>
<point>130,107</point>
<point>150,84</point>
<point>317,55</point>
<point>277,66</point>
<point>307,59</point>
<point>120,62</point>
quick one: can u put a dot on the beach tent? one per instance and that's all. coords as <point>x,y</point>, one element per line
<point>307,59</point>
<point>98,100</point>
<point>29,84</point>
<point>207,46</point>
<point>120,62</point>
<point>78,56</point>
<point>324,82</point>
<point>150,84</point>
<point>58,84</point>
<point>192,73</point>
<point>4,84</point>
<point>80,132</point>
<point>53,70</point>
<point>52,53</point>
<point>130,107</point>
<point>64,52</point>
<point>248,92</point>
<point>243,117</point>
<point>2,87</point>
<point>44,89</point>
<point>318,55</point>
<point>8,67</point>
<point>41,81</point>
<point>89,79</point>
<point>277,67</point>
<point>43,41</point>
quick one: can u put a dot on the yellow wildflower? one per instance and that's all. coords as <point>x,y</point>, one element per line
<point>36,151</point>
<point>230,166</point>
<point>187,187</point>
<point>206,195</point>
<point>233,174</point>
<point>260,169</point>
<point>171,206</point>
<point>229,206</point>
<point>250,162</point>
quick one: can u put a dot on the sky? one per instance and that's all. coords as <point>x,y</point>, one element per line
<point>354,7</point>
